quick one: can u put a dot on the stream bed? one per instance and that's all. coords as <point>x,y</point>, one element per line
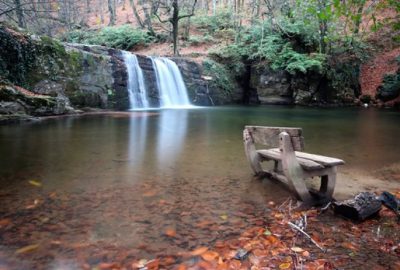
<point>128,185</point>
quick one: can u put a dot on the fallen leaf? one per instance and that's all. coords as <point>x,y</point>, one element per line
<point>224,217</point>
<point>267,232</point>
<point>150,193</point>
<point>198,251</point>
<point>35,183</point>
<point>153,264</point>
<point>104,266</point>
<point>170,232</point>
<point>297,249</point>
<point>209,255</point>
<point>285,265</point>
<point>349,245</point>
<point>140,264</point>
<point>4,222</point>
<point>27,249</point>
<point>181,267</point>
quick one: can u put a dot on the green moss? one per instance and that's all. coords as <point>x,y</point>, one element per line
<point>52,46</point>
<point>221,76</point>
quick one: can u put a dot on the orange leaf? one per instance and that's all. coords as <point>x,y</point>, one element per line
<point>182,267</point>
<point>198,251</point>
<point>150,193</point>
<point>210,255</point>
<point>170,232</point>
<point>4,222</point>
<point>349,245</point>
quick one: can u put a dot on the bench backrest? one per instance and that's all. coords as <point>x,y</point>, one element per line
<point>270,136</point>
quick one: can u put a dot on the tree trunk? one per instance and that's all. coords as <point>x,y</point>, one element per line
<point>147,21</point>
<point>175,25</point>
<point>88,9</point>
<point>214,6</point>
<point>20,13</point>
<point>100,5</point>
<point>111,9</point>
<point>187,29</point>
<point>135,12</point>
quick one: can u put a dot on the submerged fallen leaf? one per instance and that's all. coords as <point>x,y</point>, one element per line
<point>209,255</point>
<point>198,251</point>
<point>285,265</point>
<point>35,183</point>
<point>224,217</point>
<point>27,249</point>
<point>170,232</point>
<point>105,266</point>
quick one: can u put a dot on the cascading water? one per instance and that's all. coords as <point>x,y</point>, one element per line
<point>172,89</point>
<point>136,86</point>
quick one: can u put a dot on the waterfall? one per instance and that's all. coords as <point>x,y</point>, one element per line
<point>172,89</point>
<point>136,86</point>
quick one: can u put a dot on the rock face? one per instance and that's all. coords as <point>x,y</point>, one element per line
<point>273,87</point>
<point>390,88</point>
<point>16,101</point>
<point>77,75</point>
<point>280,87</point>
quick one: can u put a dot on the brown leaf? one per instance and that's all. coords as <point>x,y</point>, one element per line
<point>4,222</point>
<point>210,255</point>
<point>153,264</point>
<point>181,267</point>
<point>104,266</point>
<point>170,232</point>
<point>27,249</point>
<point>198,251</point>
<point>349,245</point>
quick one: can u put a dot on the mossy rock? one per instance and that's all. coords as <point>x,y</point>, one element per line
<point>390,88</point>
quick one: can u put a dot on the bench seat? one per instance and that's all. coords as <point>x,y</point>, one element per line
<point>307,161</point>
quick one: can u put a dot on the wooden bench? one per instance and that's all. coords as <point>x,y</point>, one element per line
<point>292,166</point>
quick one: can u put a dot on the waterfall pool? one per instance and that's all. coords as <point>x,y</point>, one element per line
<point>98,186</point>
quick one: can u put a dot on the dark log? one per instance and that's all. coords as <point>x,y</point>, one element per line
<point>364,205</point>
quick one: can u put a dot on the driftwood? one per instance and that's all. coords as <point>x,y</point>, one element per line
<point>291,165</point>
<point>363,206</point>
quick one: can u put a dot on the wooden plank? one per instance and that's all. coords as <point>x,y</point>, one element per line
<point>269,136</point>
<point>305,163</point>
<point>325,161</point>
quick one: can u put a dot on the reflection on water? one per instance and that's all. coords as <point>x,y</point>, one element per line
<point>119,181</point>
<point>171,137</point>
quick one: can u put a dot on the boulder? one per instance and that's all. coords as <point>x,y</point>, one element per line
<point>272,87</point>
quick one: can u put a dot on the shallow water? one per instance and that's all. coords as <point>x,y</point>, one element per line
<point>154,182</point>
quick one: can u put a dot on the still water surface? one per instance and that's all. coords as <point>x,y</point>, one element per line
<point>125,179</point>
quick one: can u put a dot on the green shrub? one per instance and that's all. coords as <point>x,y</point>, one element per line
<point>211,23</point>
<point>261,43</point>
<point>197,40</point>
<point>122,37</point>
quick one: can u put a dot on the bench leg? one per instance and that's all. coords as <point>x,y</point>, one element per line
<point>292,169</point>
<point>328,183</point>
